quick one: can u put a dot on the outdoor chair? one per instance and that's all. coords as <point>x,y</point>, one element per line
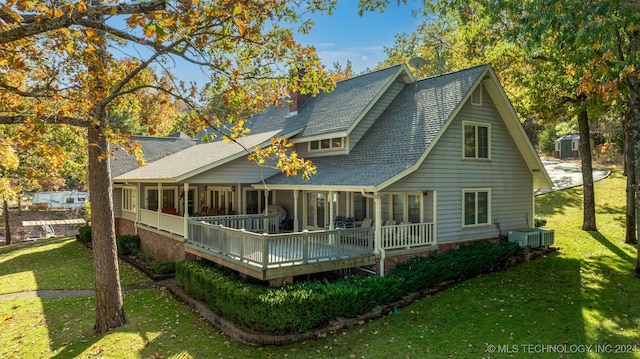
<point>350,222</point>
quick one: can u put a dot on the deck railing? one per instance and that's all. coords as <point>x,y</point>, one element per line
<point>162,221</point>
<point>408,235</point>
<point>257,223</point>
<point>273,250</point>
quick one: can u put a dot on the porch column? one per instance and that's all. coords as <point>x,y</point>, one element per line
<point>434,205</point>
<point>139,202</point>
<point>185,198</point>
<point>239,198</point>
<point>159,205</point>
<point>331,214</point>
<point>378,249</point>
<point>377,236</point>
<point>295,210</point>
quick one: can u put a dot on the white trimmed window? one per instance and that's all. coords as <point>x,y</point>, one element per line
<point>476,207</point>
<point>129,199</point>
<point>327,144</point>
<point>401,207</point>
<point>477,140</point>
<point>169,198</point>
<point>316,210</point>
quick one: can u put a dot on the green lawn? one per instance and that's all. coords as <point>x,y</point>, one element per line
<point>580,301</point>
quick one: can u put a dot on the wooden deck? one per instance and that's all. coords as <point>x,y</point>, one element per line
<point>268,256</point>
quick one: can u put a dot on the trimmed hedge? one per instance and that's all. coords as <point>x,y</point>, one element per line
<point>480,257</point>
<point>298,307</point>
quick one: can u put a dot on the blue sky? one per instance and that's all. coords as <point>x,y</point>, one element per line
<point>342,37</point>
<point>361,39</point>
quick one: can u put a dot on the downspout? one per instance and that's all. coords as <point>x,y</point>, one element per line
<point>377,234</point>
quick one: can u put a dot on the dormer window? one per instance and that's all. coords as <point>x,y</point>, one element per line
<point>327,144</point>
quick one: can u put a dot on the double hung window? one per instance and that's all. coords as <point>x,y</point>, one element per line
<point>476,207</point>
<point>477,140</point>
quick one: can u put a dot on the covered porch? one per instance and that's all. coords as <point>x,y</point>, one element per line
<point>318,231</point>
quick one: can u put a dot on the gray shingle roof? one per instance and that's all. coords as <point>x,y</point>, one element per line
<point>398,138</point>
<point>194,159</point>
<point>337,110</point>
<point>394,143</point>
<point>153,149</point>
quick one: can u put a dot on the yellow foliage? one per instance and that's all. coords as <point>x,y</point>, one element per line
<point>8,158</point>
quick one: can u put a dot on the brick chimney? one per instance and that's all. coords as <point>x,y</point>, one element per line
<point>295,98</point>
<point>295,102</point>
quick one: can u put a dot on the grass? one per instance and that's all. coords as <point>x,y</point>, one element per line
<point>583,295</point>
<point>53,264</point>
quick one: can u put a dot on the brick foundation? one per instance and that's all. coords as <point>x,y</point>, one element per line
<point>124,227</point>
<point>161,246</point>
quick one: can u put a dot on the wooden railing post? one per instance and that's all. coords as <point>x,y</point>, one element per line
<point>265,250</point>
<point>305,246</point>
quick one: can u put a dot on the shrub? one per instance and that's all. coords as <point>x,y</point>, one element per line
<point>299,307</point>
<point>164,268</point>
<point>422,273</point>
<point>128,244</point>
<point>293,308</point>
<point>540,222</point>
<point>84,234</point>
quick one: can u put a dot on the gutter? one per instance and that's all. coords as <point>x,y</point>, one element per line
<point>378,228</point>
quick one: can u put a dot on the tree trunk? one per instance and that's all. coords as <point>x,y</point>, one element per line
<point>589,204</point>
<point>7,226</point>
<point>634,124</point>
<point>109,304</point>
<point>629,163</point>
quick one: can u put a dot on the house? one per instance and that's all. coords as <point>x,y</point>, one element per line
<point>405,167</point>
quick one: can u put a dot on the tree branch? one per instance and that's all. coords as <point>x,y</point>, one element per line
<point>38,24</point>
<point>20,119</point>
